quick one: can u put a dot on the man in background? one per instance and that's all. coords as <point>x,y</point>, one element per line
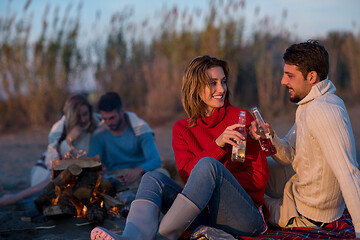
<point>124,142</point>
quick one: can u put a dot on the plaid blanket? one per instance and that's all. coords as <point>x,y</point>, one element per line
<point>340,229</point>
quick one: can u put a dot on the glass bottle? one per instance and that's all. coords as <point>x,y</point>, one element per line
<point>238,152</point>
<point>266,143</point>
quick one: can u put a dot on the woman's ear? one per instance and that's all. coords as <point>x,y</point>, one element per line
<point>312,77</point>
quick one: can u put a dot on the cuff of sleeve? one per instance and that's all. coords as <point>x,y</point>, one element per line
<point>215,151</point>
<point>150,166</point>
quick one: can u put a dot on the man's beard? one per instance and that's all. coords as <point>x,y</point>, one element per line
<point>116,127</point>
<point>295,99</point>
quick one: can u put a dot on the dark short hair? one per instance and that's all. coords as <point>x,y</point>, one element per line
<point>110,101</point>
<point>308,56</point>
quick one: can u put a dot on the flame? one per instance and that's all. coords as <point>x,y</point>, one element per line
<point>57,192</point>
<point>67,155</point>
<point>74,153</point>
<point>95,197</point>
<point>115,210</point>
<point>81,154</point>
<point>77,154</point>
<point>98,181</point>
<point>81,209</point>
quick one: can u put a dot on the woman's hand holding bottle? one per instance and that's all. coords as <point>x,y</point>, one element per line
<point>228,136</point>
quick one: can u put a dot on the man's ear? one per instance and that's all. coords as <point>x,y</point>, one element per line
<point>312,77</point>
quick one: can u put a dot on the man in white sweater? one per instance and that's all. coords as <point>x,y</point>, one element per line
<point>319,176</point>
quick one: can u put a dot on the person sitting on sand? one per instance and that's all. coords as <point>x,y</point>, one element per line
<point>315,174</point>
<point>218,192</point>
<point>68,137</point>
<point>125,143</point>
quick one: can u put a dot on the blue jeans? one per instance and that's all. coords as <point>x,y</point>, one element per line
<point>214,190</point>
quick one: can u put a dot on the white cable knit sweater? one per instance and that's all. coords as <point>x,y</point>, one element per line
<point>321,149</point>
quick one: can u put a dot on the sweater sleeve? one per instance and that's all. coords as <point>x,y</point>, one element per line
<point>151,154</point>
<point>56,131</point>
<point>97,148</point>
<point>330,125</point>
<point>186,159</point>
<point>53,139</point>
<point>285,147</point>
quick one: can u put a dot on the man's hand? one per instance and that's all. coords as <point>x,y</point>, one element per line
<point>130,176</point>
<point>256,131</point>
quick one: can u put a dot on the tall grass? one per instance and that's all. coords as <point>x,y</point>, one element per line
<point>35,77</point>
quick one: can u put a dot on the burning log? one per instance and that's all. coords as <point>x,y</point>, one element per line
<point>84,187</point>
<point>106,187</point>
<point>77,189</point>
<point>111,201</point>
<point>90,184</point>
<point>96,214</point>
<point>62,180</point>
<point>65,172</point>
<point>67,176</point>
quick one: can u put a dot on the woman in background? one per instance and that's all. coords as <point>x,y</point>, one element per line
<point>68,138</point>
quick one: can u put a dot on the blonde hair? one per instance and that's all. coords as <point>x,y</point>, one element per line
<point>195,79</point>
<point>71,110</point>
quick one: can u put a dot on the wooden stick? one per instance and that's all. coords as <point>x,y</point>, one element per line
<point>112,201</point>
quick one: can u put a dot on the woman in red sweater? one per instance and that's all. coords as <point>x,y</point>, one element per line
<point>218,192</point>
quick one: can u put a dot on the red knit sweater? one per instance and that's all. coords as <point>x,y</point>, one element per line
<point>190,144</point>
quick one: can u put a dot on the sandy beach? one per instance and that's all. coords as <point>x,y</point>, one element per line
<point>19,152</point>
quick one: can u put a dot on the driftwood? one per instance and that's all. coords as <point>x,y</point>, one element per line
<point>65,178</point>
<point>111,201</point>
<point>59,210</point>
<point>66,174</point>
<point>92,163</point>
<point>85,185</point>
<point>78,182</point>
<point>107,187</point>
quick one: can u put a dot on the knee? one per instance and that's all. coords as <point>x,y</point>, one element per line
<point>162,170</point>
<point>207,164</point>
<point>154,175</point>
<point>207,161</point>
<point>151,180</point>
